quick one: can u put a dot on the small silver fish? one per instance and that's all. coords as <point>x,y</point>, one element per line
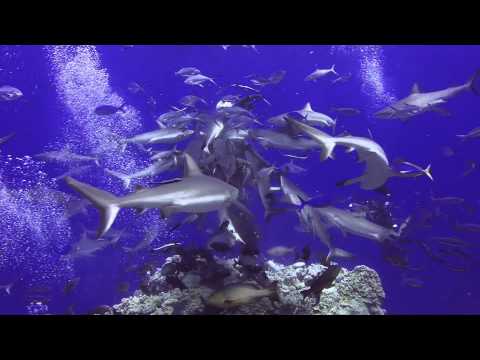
<point>9,93</point>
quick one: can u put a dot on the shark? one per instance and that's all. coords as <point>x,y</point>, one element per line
<point>194,193</point>
<point>273,139</point>
<point>163,135</point>
<point>66,156</point>
<point>419,102</point>
<point>377,166</point>
<point>309,219</point>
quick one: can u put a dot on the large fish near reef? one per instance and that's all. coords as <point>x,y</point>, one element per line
<point>234,295</point>
<point>309,218</point>
<point>420,102</point>
<point>323,281</point>
<point>194,193</point>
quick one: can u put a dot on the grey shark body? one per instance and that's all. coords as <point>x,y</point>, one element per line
<point>195,193</point>
<point>277,140</point>
<point>309,218</point>
<point>420,102</point>
<point>160,136</point>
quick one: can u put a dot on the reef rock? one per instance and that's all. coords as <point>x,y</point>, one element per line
<point>355,292</point>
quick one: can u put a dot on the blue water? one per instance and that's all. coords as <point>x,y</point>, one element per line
<point>62,85</point>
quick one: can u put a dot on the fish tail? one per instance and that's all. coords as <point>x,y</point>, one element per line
<point>125,178</point>
<point>333,70</point>
<point>427,172</point>
<point>105,202</point>
<point>471,83</point>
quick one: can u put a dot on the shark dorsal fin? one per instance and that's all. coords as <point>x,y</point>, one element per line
<point>307,107</point>
<point>415,89</point>
<point>190,168</point>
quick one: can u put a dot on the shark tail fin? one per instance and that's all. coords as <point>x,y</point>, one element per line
<point>333,70</point>
<point>125,178</point>
<point>471,83</point>
<point>105,202</point>
<point>428,172</point>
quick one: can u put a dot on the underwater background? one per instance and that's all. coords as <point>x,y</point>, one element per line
<point>63,85</point>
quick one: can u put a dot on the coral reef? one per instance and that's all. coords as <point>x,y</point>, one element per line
<point>356,292</point>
